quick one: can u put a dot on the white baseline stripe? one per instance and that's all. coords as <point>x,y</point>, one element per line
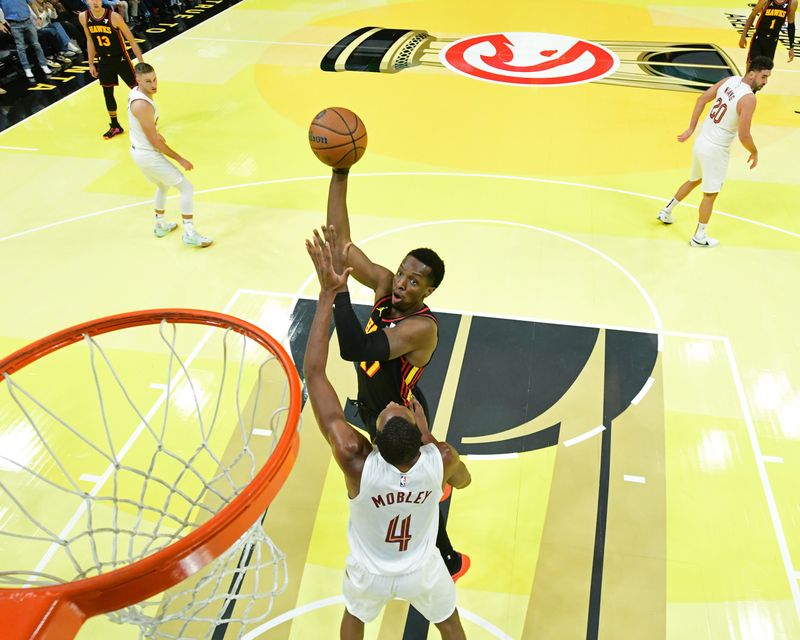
<point>18,148</point>
<point>270,42</point>
<point>157,385</point>
<point>643,391</point>
<point>584,436</point>
<point>775,459</point>
<point>88,477</point>
<point>637,479</point>
<point>262,432</point>
<point>762,472</point>
<point>492,456</point>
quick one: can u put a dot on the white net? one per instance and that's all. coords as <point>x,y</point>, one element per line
<point>118,446</point>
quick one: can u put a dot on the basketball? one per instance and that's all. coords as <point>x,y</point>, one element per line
<point>337,137</point>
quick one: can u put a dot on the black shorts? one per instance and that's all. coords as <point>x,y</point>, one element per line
<point>109,68</point>
<point>360,415</point>
<point>762,46</point>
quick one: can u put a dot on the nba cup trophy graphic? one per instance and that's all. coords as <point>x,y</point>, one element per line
<point>534,59</point>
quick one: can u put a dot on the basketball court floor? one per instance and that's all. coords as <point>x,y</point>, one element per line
<point>629,407</point>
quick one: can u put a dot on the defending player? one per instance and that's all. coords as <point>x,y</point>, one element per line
<point>394,488</point>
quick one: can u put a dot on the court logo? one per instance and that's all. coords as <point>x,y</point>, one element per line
<point>538,59</point>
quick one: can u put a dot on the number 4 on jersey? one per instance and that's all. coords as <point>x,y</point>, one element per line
<point>403,536</point>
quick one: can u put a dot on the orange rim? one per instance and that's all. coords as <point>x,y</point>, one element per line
<point>57,612</point>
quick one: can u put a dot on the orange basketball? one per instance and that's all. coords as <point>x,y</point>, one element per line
<point>337,137</point>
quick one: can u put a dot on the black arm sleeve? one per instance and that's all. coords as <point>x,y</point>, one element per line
<point>790,29</point>
<point>354,344</point>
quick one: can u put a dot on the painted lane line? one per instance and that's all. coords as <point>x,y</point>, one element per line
<point>262,432</point>
<point>775,459</point>
<point>636,479</point>
<point>88,477</point>
<point>18,148</point>
<point>157,385</point>
<point>492,456</point>
<point>762,472</point>
<point>643,391</point>
<point>584,436</point>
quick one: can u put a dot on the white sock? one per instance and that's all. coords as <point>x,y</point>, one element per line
<point>700,234</point>
<point>670,205</point>
<point>188,225</point>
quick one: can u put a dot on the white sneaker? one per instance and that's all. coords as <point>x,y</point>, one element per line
<point>74,47</point>
<point>194,239</point>
<point>665,216</point>
<point>705,243</point>
<point>160,230</point>
<point>47,70</point>
<point>29,74</point>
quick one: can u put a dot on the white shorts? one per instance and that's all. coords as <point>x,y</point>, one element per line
<point>430,589</point>
<point>156,168</point>
<point>709,163</point>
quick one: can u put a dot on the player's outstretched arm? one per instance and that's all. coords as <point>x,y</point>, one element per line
<point>372,275</point>
<point>349,447</point>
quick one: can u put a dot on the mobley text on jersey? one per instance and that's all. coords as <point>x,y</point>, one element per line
<point>397,497</point>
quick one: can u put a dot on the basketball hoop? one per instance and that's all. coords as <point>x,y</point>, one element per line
<point>190,485</point>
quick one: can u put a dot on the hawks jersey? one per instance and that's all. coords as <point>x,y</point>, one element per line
<point>771,20</point>
<point>721,125</point>
<point>380,383</point>
<point>108,40</point>
<point>395,516</point>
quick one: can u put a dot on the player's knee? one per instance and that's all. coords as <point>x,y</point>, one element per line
<point>186,187</point>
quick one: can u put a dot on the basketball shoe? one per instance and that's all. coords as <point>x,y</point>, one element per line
<point>466,563</point>
<point>112,131</point>
<point>164,228</point>
<point>665,216</point>
<point>194,239</point>
<point>705,243</point>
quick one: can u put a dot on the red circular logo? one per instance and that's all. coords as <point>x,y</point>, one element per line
<point>538,59</point>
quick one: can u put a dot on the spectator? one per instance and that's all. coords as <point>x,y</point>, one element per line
<point>43,13</point>
<point>18,16</point>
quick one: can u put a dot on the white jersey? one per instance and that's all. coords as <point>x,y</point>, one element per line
<point>139,140</point>
<point>721,125</point>
<point>395,517</point>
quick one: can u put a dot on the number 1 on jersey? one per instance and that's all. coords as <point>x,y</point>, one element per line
<point>403,536</point>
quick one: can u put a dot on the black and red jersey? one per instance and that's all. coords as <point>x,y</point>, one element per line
<point>380,383</point>
<point>770,21</point>
<point>108,40</point>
